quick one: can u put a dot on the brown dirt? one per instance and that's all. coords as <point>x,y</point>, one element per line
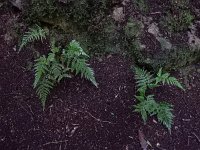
<point>80,116</point>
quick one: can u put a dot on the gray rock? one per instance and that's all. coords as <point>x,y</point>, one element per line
<point>153,29</point>
<point>118,14</point>
<point>17,3</point>
<point>193,40</point>
<point>165,44</point>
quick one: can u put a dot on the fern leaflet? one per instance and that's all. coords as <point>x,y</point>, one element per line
<point>36,33</point>
<point>147,107</point>
<point>43,90</point>
<point>41,68</point>
<point>75,50</point>
<point>80,66</point>
<point>164,114</point>
<point>56,70</point>
<point>166,78</point>
<point>143,77</point>
<point>175,82</point>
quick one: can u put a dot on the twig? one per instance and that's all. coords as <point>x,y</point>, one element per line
<point>188,142</point>
<point>55,142</point>
<point>196,137</point>
<point>97,119</point>
<point>154,13</point>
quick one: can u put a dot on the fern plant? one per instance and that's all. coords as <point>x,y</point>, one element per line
<point>34,34</point>
<point>60,63</point>
<point>147,105</point>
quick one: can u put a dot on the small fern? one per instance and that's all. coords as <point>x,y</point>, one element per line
<point>58,65</point>
<point>147,105</point>
<point>34,34</point>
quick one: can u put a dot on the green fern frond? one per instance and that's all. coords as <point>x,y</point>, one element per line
<point>175,82</point>
<point>140,98</point>
<point>140,108</point>
<point>80,66</point>
<point>43,90</point>
<point>75,50</point>
<point>40,67</point>
<point>56,70</point>
<point>143,77</point>
<point>164,114</point>
<point>166,78</point>
<point>151,105</point>
<point>146,107</point>
<point>36,33</point>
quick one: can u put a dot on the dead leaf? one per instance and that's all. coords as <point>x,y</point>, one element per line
<point>143,142</point>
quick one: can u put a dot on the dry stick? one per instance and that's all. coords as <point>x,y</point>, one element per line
<point>196,137</point>
<point>98,118</point>
<point>55,142</point>
<point>154,13</point>
<point>188,142</point>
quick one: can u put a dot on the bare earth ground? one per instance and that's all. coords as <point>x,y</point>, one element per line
<point>80,116</point>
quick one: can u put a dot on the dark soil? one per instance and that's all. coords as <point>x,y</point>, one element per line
<point>80,116</point>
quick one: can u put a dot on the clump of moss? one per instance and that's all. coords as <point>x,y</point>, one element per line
<point>175,58</point>
<point>82,13</point>
<point>179,21</point>
<point>179,17</point>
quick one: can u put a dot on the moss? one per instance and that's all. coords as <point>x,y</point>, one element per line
<point>178,22</point>
<point>82,13</point>
<point>86,20</point>
<point>175,58</point>
<point>179,17</point>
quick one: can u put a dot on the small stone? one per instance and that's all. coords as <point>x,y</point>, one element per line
<point>14,48</point>
<point>100,59</point>
<point>153,29</point>
<point>109,56</point>
<point>118,14</point>
<point>158,144</point>
<point>155,121</point>
<point>198,70</point>
<point>142,46</point>
<point>165,44</point>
